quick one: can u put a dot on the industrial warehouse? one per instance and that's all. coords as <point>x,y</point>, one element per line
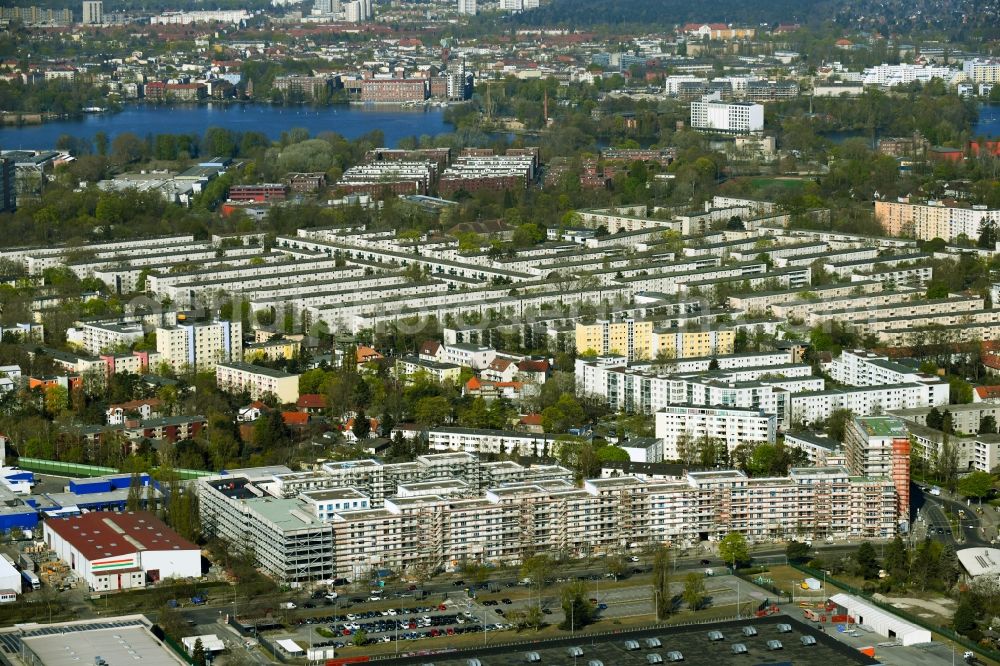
<point>120,551</point>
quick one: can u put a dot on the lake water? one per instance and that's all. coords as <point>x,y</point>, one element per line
<point>349,121</point>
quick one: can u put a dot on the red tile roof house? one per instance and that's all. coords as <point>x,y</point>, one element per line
<point>986,394</point>
<point>118,551</point>
<point>295,419</point>
<point>311,403</point>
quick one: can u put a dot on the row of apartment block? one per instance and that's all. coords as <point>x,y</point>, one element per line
<point>933,219</point>
<point>430,525</point>
<point>638,339</point>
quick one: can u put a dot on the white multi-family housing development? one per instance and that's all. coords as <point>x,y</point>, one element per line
<point>37,259</point>
<point>681,427</point>
<point>257,380</point>
<point>639,389</point>
<point>101,338</point>
<point>860,368</point>
<point>815,407</point>
<point>490,442</point>
<point>769,383</point>
<point>889,76</point>
<point>199,346</point>
<point>467,355</point>
<point>327,527</point>
<point>713,114</point>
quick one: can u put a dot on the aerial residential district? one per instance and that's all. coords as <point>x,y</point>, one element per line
<point>478,333</point>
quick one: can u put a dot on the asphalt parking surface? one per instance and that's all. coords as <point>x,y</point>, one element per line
<point>691,641</point>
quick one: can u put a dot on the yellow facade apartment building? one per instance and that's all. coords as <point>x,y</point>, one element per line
<point>637,341</point>
<point>631,338</point>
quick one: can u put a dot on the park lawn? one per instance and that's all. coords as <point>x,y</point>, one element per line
<point>788,579</point>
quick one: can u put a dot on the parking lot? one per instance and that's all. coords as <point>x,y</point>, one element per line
<point>487,610</point>
<point>405,623</point>
<point>691,644</point>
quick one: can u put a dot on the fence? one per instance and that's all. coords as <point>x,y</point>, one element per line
<point>753,576</point>
<point>909,617</point>
<point>179,649</point>
<point>60,468</point>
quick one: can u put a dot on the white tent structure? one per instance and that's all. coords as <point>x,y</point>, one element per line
<point>210,643</point>
<point>881,621</point>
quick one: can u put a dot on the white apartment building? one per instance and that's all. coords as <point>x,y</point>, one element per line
<point>711,113</point>
<point>100,338</point>
<point>479,441</point>
<point>639,388</point>
<point>93,12</point>
<point>818,447</point>
<point>889,76</point>
<point>234,16</point>
<point>258,381</point>
<point>199,346</point>
<point>816,407</point>
<point>467,7</point>
<point>731,425</point>
<point>467,355</point>
<point>861,368</point>
<point>323,533</point>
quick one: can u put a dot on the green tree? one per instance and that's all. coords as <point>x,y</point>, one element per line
<point>432,411</point>
<point>976,485</point>
<point>836,424</point>
<point>988,425</point>
<point>362,426</point>
<point>934,418</point>
<point>734,549</point>
<point>897,560</point>
<point>360,638</point>
<point>694,590</point>
<point>528,234</point>
<point>797,551</point>
<point>536,568</point>
<point>198,654</point>
<point>170,621</point>
<point>134,500</point>
<point>576,608</point>
<point>867,561</point>
<point>663,599</point>
<point>964,619</point>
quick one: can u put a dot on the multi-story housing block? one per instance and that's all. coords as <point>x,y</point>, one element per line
<point>933,219</point>
<point>711,113</point>
<point>679,427</point>
<point>257,380</point>
<point>879,447</point>
<point>199,346</point>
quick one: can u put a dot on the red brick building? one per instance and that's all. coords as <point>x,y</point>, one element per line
<point>394,90</point>
<point>258,193</point>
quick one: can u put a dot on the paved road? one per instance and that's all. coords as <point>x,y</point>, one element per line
<point>935,512</point>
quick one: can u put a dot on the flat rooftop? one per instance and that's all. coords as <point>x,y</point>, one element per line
<point>882,426</point>
<point>690,641</point>
<point>115,641</point>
